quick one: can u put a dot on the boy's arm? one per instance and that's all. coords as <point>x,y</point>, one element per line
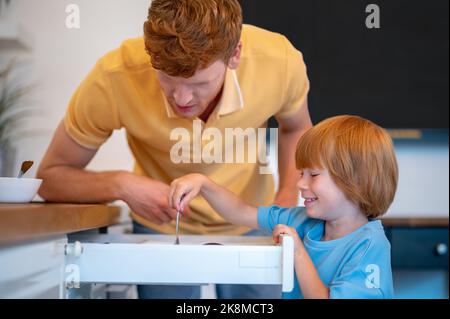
<point>226,203</point>
<point>308,278</point>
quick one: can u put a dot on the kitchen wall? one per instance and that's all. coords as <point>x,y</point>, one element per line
<point>59,58</point>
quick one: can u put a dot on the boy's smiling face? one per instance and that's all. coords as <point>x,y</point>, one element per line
<point>323,199</point>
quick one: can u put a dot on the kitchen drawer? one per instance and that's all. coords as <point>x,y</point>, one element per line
<point>33,270</point>
<point>419,248</point>
<point>154,259</point>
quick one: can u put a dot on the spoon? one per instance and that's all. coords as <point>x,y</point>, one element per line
<point>177,240</point>
<point>24,168</point>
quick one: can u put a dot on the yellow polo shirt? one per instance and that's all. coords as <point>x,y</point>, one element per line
<point>122,91</point>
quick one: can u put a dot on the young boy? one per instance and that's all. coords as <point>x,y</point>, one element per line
<point>348,178</point>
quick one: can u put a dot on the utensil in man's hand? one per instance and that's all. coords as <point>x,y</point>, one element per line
<point>24,168</point>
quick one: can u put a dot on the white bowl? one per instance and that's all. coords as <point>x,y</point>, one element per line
<point>18,190</point>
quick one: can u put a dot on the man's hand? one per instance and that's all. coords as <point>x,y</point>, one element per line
<point>66,180</point>
<point>148,198</point>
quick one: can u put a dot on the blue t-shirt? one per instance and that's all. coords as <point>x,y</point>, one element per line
<point>357,265</point>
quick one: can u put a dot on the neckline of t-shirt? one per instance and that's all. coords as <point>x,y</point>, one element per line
<point>338,241</point>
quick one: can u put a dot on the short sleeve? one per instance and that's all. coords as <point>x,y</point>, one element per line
<point>92,114</point>
<point>367,275</point>
<point>297,82</point>
<point>269,217</point>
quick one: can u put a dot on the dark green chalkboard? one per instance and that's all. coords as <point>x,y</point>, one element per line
<point>396,75</point>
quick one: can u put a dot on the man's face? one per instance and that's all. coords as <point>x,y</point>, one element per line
<point>189,98</point>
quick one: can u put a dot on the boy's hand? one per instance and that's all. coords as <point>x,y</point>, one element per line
<point>283,229</point>
<point>185,189</point>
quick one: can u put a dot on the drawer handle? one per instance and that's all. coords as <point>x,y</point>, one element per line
<point>441,249</point>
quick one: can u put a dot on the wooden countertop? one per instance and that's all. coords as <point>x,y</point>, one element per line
<point>19,222</point>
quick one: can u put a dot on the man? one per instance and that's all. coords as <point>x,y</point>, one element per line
<point>196,63</point>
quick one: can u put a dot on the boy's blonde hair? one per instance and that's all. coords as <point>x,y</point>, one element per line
<point>359,156</point>
<point>183,36</point>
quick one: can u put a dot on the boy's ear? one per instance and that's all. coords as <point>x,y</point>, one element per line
<point>233,63</point>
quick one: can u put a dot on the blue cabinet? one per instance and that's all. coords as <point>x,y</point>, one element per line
<point>419,248</point>
<point>419,261</point>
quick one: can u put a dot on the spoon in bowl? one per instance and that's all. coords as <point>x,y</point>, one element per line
<point>24,168</point>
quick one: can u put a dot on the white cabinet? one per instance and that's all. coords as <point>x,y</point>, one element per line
<point>33,269</point>
<point>53,268</point>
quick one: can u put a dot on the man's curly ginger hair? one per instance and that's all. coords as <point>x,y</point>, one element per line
<point>183,36</point>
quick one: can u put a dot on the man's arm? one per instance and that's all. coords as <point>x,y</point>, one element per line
<point>66,180</point>
<point>290,130</point>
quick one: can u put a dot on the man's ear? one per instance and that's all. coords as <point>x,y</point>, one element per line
<point>233,63</point>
